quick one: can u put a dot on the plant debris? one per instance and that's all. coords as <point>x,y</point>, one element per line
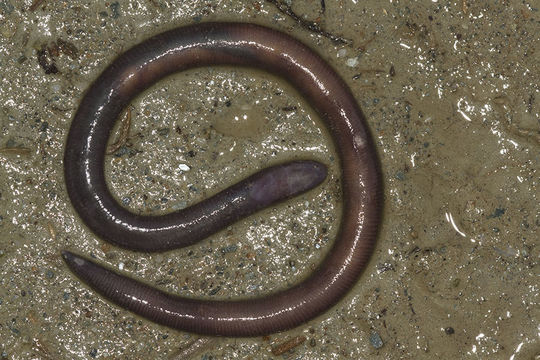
<point>308,25</point>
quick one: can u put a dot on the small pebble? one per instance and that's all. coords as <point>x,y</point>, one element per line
<point>229,249</point>
<point>214,291</point>
<point>93,353</point>
<point>121,266</point>
<point>292,263</point>
<point>49,274</point>
<point>164,131</point>
<point>375,340</point>
<point>449,330</point>
<point>497,213</point>
<point>183,167</point>
<point>55,88</point>
<point>115,8</point>
<point>44,126</point>
<point>400,175</point>
<point>179,205</point>
<point>352,62</point>
<point>341,53</point>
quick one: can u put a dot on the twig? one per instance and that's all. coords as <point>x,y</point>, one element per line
<point>42,350</point>
<point>309,25</point>
<point>15,150</point>
<point>288,345</point>
<point>35,4</point>
<point>123,134</point>
<point>192,348</point>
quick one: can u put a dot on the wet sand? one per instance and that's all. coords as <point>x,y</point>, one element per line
<point>450,91</point>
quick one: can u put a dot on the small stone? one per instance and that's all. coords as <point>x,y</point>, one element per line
<point>352,62</point>
<point>7,8</point>
<point>115,8</point>
<point>214,291</point>
<point>229,249</point>
<point>375,340</point>
<point>55,88</point>
<point>341,53</point>
<point>163,131</point>
<point>184,167</point>
<point>49,274</point>
<point>180,205</point>
<point>449,330</point>
<point>44,126</point>
<point>93,352</point>
<point>497,213</point>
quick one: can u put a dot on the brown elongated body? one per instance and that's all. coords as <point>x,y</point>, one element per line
<point>235,44</point>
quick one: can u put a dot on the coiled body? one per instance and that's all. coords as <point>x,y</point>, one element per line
<point>235,44</point>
